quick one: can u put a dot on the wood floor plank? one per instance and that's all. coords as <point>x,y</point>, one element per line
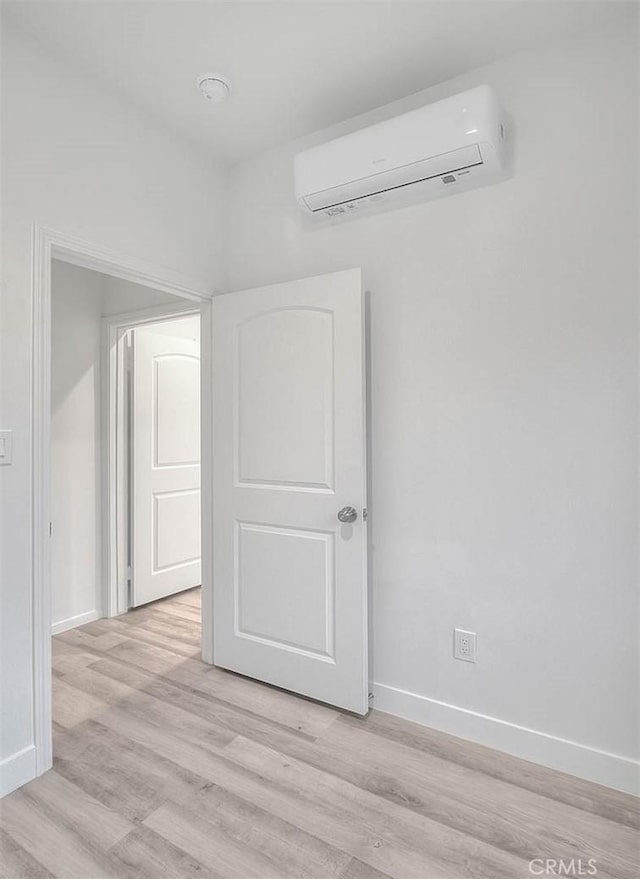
<point>71,707</point>
<point>384,835</point>
<point>205,841</point>
<point>190,597</point>
<point>614,805</point>
<point>183,611</point>
<point>137,633</point>
<point>223,714</point>
<point>153,613</point>
<point>296,851</point>
<point>501,814</point>
<point>184,614</point>
<point>147,855</point>
<point>166,626</point>
<point>154,713</point>
<point>91,643</point>
<point>121,773</point>
<point>17,863</point>
<point>204,763</point>
<point>426,784</point>
<point>156,660</point>
<point>68,662</point>
<point>357,870</point>
<point>357,759</point>
<point>342,825</point>
<point>61,648</point>
<point>199,757</point>
<point>434,796</point>
<point>100,626</point>
<point>60,850</point>
<point>160,613</point>
<point>300,714</point>
<point>100,826</point>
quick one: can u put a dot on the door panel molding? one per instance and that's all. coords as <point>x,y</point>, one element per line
<point>156,406</point>
<point>291,400</point>
<point>158,496</point>
<point>326,604</point>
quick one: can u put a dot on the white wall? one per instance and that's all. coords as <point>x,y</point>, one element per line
<point>76,310</point>
<point>78,160</point>
<point>504,430</point>
<point>180,328</point>
<point>121,296</point>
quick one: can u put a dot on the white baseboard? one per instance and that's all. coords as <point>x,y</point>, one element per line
<point>73,622</point>
<point>17,770</point>
<point>611,770</point>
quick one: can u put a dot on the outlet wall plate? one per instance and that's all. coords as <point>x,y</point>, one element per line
<point>465,645</point>
<point>6,446</point>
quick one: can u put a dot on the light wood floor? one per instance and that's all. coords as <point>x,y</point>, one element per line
<point>165,767</point>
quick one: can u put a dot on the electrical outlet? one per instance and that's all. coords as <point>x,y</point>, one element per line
<point>464,645</point>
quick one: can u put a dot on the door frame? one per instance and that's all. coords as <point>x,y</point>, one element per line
<point>115,477</point>
<point>48,244</point>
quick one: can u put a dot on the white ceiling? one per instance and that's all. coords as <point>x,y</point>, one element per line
<point>295,67</point>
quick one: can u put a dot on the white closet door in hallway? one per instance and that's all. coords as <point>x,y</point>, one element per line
<point>165,430</point>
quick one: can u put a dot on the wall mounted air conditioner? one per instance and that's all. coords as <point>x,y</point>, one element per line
<point>452,145</point>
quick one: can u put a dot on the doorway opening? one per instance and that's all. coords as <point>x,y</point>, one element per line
<point>80,483</point>
<point>144,404</point>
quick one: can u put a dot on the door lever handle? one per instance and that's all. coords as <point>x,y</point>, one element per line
<point>347,515</point>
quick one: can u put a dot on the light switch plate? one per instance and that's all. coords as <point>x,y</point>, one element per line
<point>6,447</point>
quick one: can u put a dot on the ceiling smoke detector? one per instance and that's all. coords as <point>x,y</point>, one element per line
<point>214,87</point>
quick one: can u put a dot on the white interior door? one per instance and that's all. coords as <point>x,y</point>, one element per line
<point>165,428</point>
<point>290,588</point>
